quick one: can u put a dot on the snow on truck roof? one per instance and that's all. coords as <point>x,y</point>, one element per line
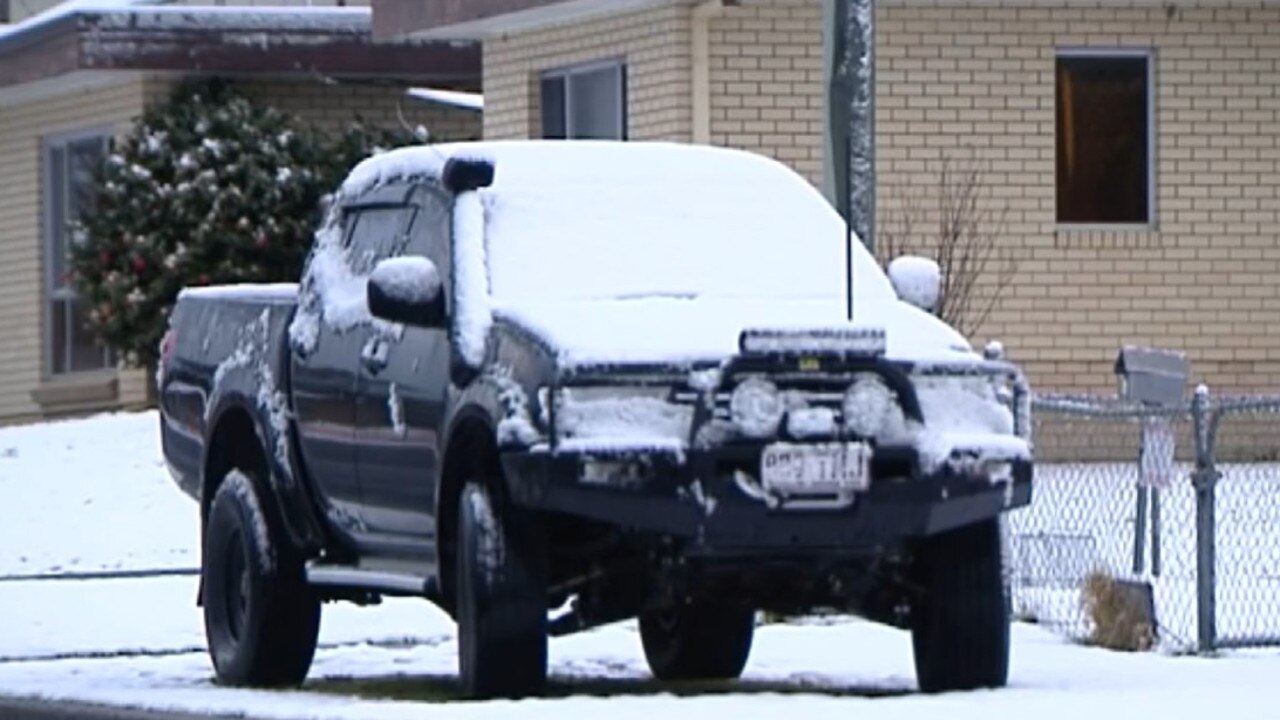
<point>642,250</point>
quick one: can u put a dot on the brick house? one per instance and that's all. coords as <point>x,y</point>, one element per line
<point>1133,146</point>
<point>72,78</point>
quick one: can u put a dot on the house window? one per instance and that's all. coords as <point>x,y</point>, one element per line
<point>1104,155</point>
<point>70,166</point>
<point>585,102</point>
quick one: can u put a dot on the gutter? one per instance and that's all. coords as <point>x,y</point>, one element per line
<point>700,52</point>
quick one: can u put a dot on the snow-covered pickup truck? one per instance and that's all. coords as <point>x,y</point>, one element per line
<point>551,385</point>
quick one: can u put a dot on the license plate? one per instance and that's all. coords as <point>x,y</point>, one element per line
<point>819,469</point>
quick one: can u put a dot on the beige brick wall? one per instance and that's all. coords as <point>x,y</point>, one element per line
<point>653,43</point>
<point>975,83</point>
<point>766,81</point>
<point>333,107</point>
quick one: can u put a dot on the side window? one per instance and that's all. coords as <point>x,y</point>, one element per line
<point>375,233</point>
<point>431,236</point>
<point>585,102</point>
<point>69,167</point>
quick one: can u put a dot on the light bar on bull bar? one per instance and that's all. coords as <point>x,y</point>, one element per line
<point>862,342</point>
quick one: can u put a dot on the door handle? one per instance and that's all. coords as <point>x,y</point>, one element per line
<point>374,355</point>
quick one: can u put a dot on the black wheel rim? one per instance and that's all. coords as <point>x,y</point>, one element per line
<point>236,591</point>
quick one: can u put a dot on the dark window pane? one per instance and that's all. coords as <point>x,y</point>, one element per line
<point>71,182</point>
<point>83,158</point>
<point>430,234</point>
<point>378,234</point>
<point>1103,168</point>
<point>58,357</point>
<point>86,352</point>
<point>595,104</point>
<point>57,213</point>
<point>553,110</point>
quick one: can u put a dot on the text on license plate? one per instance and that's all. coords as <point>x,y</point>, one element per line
<point>793,469</point>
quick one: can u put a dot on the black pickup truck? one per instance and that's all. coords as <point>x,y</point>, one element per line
<point>551,385</point>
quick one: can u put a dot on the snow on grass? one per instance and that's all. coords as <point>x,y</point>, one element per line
<point>51,619</point>
<point>1083,518</point>
<point>91,495</point>
<point>840,670</point>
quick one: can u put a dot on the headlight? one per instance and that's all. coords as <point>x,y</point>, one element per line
<point>633,412</point>
<point>756,407</point>
<point>870,407</point>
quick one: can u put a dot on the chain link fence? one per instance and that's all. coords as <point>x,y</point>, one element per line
<point>1176,507</point>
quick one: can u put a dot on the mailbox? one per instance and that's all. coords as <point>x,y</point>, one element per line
<point>1151,375</point>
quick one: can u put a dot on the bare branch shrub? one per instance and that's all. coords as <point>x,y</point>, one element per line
<point>966,243</point>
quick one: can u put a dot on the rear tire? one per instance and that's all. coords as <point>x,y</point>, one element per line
<point>960,625</point>
<point>702,640</point>
<point>261,618</point>
<point>502,599</point>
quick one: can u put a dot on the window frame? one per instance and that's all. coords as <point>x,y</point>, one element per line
<point>564,74</point>
<point>1148,55</point>
<point>52,289</point>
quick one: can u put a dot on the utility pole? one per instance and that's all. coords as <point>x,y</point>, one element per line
<point>848,44</point>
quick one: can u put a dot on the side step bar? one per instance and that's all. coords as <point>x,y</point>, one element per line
<point>356,578</point>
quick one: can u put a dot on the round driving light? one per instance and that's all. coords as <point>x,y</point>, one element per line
<point>870,406</point>
<point>756,407</point>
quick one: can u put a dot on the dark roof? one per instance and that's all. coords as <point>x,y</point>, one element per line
<point>331,42</point>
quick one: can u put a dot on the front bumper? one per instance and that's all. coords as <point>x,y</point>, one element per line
<point>699,500</point>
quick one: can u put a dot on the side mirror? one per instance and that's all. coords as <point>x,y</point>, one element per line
<point>407,290</point>
<point>917,280</point>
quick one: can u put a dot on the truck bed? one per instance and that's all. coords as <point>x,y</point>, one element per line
<point>228,350</point>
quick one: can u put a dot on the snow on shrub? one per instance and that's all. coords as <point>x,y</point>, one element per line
<point>208,188</point>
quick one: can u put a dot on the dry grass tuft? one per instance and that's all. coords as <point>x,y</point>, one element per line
<point>1122,613</point>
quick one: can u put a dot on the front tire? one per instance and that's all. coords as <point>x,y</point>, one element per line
<point>261,619</point>
<point>960,624</point>
<point>502,599</point>
<point>701,640</point>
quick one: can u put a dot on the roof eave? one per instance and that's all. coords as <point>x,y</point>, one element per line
<point>98,41</point>
<point>482,19</point>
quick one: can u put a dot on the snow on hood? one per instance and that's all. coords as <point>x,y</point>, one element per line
<point>658,252</point>
<point>681,331</point>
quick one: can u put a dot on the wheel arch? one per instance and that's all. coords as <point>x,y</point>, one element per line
<point>234,441</point>
<point>236,437</point>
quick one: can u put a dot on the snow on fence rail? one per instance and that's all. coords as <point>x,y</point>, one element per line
<point>1193,517</point>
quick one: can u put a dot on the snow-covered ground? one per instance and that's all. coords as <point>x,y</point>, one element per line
<point>92,495</point>
<point>1083,519</point>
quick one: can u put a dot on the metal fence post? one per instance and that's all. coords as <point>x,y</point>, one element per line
<point>1203,479</point>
